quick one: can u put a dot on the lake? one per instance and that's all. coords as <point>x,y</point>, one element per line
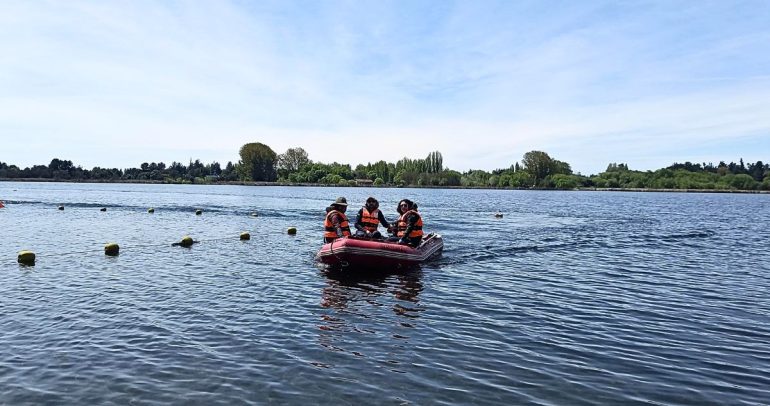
<point>572,298</point>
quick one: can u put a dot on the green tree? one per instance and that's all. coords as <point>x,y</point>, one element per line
<point>475,177</point>
<point>257,162</point>
<point>562,181</point>
<point>331,179</point>
<point>520,179</point>
<point>434,163</point>
<point>291,161</point>
<point>765,183</point>
<point>540,165</point>
<point>560,167</point>
<point>743,182</point>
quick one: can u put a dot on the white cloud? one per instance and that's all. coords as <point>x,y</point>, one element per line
<point>109,84</point>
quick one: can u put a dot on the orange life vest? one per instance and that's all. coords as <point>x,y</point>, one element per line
<point>403,224</point>
<point>370,221</point>
<point>330,231</point>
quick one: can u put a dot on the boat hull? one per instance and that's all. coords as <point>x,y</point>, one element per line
<point>361,253</point>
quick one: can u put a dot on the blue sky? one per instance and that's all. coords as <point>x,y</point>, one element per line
<point>118,83</point>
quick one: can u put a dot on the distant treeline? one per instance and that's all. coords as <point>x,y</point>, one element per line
<point>536,170</point>
<point>62,169</point>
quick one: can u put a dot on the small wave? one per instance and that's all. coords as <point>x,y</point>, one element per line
<point>492,252</point>
<point>7,202</point>
<point>679,236</point>
<point>239,211</point>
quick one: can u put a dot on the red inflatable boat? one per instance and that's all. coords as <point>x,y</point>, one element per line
<point>362,253</point>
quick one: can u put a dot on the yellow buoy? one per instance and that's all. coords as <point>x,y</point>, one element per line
<point>103,209</point>
<point>198,212</point>
<point>111,249</point>
<point>292,230</point>
<point>186,241</point>
<point>150,210</point>
<point>245,236</point>
<point>26,257</point>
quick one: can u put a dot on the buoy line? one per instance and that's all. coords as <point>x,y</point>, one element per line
<point>29,257</point>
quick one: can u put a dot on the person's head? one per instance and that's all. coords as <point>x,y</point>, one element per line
<point>404,206</point>
<point>372,204</point>
<point>341,204</point>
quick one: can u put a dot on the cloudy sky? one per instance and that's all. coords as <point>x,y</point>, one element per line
<point>648,83</point>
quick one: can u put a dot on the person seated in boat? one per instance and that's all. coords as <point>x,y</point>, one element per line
<point>368,218</point>
<point>336,223</point>
<point>408,228</point>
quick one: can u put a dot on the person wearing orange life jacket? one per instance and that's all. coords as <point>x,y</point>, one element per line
<point>368,218</point>
<point>336,223</point>
<point>409,225</point>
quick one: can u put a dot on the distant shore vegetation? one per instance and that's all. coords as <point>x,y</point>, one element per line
<point>537,170</point>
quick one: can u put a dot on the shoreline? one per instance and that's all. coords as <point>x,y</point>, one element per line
<point>252,183</point>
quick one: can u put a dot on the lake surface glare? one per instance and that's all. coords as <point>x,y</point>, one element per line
<point>575,298</point>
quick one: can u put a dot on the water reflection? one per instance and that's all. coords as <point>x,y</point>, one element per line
<point>368,307</point>
<point>344,288</point>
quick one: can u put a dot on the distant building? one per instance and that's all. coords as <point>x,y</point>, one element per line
<point>364,182</point>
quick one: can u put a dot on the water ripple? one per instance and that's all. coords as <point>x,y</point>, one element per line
<point>570,298</point>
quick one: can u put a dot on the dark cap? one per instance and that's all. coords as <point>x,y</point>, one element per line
<point>341,201</point>
<point>372,202</point>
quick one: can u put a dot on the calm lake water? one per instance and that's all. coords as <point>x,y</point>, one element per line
<point>570,298</point>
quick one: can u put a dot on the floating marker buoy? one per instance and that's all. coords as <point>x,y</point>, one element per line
<point>499,215</point>
<point>61,207</point>
<point>245,236</point>
<point>103,209</point>
<point>186,241</point>
<point>253,214</point>
<point>112,249</point>
<point>150,210</point>
<point>292,230</point>
<point>26,257</point>
<point>198,212</point>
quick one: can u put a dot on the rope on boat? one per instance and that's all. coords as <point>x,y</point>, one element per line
<point>331,250</point>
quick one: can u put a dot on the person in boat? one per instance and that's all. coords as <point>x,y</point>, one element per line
<point>336,223</point>
<point>368,218</point>
<point>408,228</point>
